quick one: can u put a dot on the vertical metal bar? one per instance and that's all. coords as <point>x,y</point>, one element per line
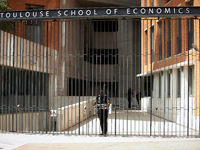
<point>36,78</point>
<point>164,80</point>
<point>61,72</point>
<point>50,76</point>
<point>6,85</point>
<point>151,82</point>
<point>58,61</point>
<point>32,73</point>
<point>47,74</point>
<point>116,77</point>
<point>139,70</point>
<point>110,71</point>
<point>25,77</point>
<point>65,32</point>
<point>135,73</point>
<point>13,77</point>
<point>199,80</point>
<point>68,56</point>
<point>188,95</point>
<point>72,52</point>
<point>119,70</point>
<point>29,80</point>
<point>83,72</point>
<point>92,52</point>
<point>76,82</point>
<point>87,74</point>
<point>143,61</point>
<point>147,78</point>
<point>18,79</point>
<point>54,58</point>
<point>79,87</point>
<point>2,75</point>
<point>10,86</point>
<point>40,70</point>
<point>127,73</point>
<point>123,77</point>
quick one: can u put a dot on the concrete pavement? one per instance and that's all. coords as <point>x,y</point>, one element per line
<point>10,141</point>
<point>153,145</point>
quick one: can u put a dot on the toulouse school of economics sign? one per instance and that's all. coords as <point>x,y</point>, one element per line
<point>92,12</point>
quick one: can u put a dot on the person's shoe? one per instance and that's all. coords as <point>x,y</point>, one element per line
<point>101,134</point>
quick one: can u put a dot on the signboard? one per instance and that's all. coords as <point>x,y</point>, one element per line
<point>100,12</point>
<point>53,113</point>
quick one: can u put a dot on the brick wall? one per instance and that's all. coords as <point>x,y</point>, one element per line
<point>175,58</point>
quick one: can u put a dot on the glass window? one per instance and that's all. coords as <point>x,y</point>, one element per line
<point>146,50</point>
<point>33,28</point>
<point>101,56</point>
<point>160,84</point>
<point>160,2</point>
<point>105,26</point>
<point>168,37</point>
<point>160,41</point>
<point>191,80</point>
<point>152,44</point>
<point>179,36</point>
<point>168,1</point>
<point>190,33</point>
<point>169,84</point>
<point>152,3</point>
<point>179,83</point>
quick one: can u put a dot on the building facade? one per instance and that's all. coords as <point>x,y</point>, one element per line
<point>67,61</point>
<point>170,62</point>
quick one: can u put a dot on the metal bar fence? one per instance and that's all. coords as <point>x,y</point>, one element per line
<point>52,72</point>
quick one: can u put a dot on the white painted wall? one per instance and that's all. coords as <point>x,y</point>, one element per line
<point>176,108</point>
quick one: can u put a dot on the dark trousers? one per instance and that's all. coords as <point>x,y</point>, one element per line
<point>129,103</point>
<point>103,116</point>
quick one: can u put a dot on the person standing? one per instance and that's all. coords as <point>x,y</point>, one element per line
<point>138,96</point>
<point>102,103</point>
<point>128,94</point>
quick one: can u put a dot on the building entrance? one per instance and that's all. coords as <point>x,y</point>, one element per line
<point>52,72</point>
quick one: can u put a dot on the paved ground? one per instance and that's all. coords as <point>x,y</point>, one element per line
<point>9,141</point>
<point>137,124</point>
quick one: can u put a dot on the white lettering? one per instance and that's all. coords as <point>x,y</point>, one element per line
<point>20,15</point>
<point>135,11</point>
<point>47,13</point>
<point>80,12</point>
<point>179,10</point>
<point>88,12</point>
<point>115,11</point>
<point>167,10</point>
<point>66,12</point>
<point>174,10</point>
<point>14,15</point>
<point>41,13</point>
<point>187,10</point>
<point>1,15</point>
<point>59,13</point>
<point>143,11</point>
<point>108,11</point>
<point>34,14</point>
<point>150,10</point>
<point>27,14</point>
<point>95,13</point>
<point>7,15</point>
<point>128,11</point>
<point>159,10</point>
<point>73,12</point>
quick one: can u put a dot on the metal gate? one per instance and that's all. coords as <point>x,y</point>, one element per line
<point>51,72</point>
